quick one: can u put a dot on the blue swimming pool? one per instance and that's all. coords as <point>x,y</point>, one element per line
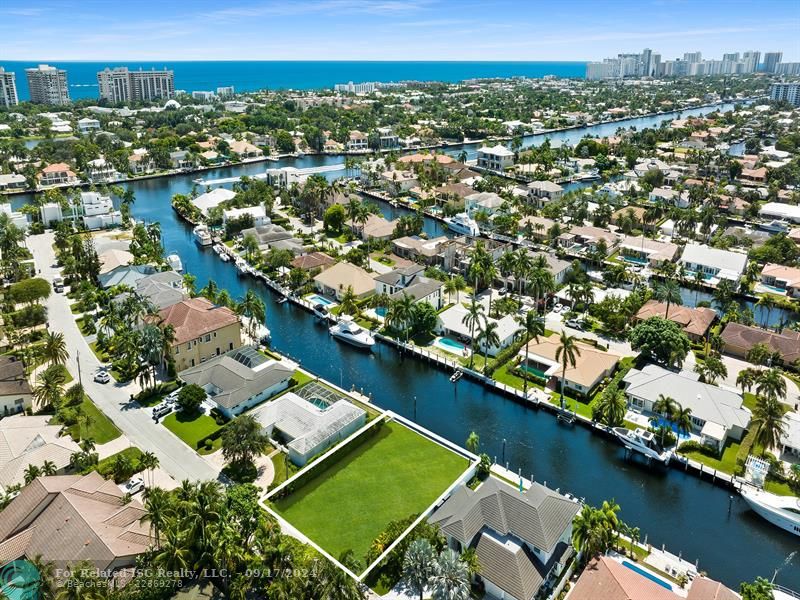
<point>647,574</point>
<point>773,288</point>
<point>450,345</point>
<point>317,299</point>
<point>381,311</point>
<point>635,260</point>
<point>661,421</point>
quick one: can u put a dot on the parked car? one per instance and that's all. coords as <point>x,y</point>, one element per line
<point>102,376</point>
<point>172,397</point>
<point>134,485</point>
<point>161,410</point>
<point>575,324</point>
<point>557,307</point>
<point>58,285</point>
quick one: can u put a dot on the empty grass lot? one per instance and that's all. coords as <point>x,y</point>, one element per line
<point>190,428</point>
<point>389,477</point>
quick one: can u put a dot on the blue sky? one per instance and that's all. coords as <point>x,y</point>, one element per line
<point>104,30</point>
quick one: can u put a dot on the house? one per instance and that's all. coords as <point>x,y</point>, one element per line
<point>785,279</point>
<point>12,181</point>
<point>636,213</point>
<point>57,174</point>
<point>495,158</point>
<point>376,228</point>
<point>17,218</point>
<point>754,175</point>
<point>536,228</point>
<point>717,413</point>
<point>591,367</point>
<point>695,322</point>
<point>161,289</point>
<point>15,391</point>
<point>313,261</point>
<point>99,211</point>
<point>88,125</point>
<point>454,193</point>
<point>485,202</point>
<point>588,239</point>
<point>418,249</point>
<point>140,163</point>
<point>790,440</point>
<point>212,199</point>
<point>738,339</point>
<point>202,330</point>
<point>284,177</point>
<point>645,251</point>
<point>125,275</point>
<point>451,323</point>
<point>387,139</point>
<point>793,235</point>
<point>607,578</point>
<point>713,263</point>
<point>542,192</point>
<point>239,379</point>
<point>398,181</point>
<point>411,281</point>
<point>779,210</point>
<point>258,214</point>
<point>28,441</point>
<point>64,519</point>
<point>357,142</point>
<point>100,170</point>
<point>111,258</point>
<point>274,236</point>
<point>669,196</point>
<point>522,539</point>
<point>245,149</point>
<point>307,428</point>
<point>335,281</point>
<point>703,588</point>
<point>181,159</point>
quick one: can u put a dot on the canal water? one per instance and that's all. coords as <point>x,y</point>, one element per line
<point>690,516</point>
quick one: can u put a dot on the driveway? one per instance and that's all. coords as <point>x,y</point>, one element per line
<point>114,399</point>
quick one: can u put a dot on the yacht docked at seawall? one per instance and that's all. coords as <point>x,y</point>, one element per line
<point>643,442</point>
<point>463,224</point>
<point>351,332</point>
<point>202,235</point>
<point>783,511</point>
<point>175,263</point>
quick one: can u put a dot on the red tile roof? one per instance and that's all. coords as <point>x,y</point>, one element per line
<point>195,317</point>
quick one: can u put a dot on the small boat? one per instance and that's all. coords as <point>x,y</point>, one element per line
<point>565,417</point>
<point>217,248</point>
<point>782,511</point>
<point>282,299</point>
<point>174,261</point>
<point>643,442</point>
<point>224,256</point>
<point>241,265</point>
<point>202,236</point>
<point>775,226</point>
<point>351,332</point>
<point>457,374</point>
<point>321,312</point>
<point>263,335</point>
<point>463,224</point>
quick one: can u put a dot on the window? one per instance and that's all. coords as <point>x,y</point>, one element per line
<point>208,337</point>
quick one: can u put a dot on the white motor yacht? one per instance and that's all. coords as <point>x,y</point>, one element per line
<point>320,311</point>
<point>174,261</point>
<point>643,442</point>
<point>783,511</point>
<point>351,332</point>
<point>775,226</point>
<point>202,236</point>
<point>463,224</point>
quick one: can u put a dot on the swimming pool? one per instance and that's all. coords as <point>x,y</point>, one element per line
<point>381,311</point>
<point>318,402</point>
<point>317,299</point>
<point>772,288</point>
<point>635,260</point>
<point>450,345</point>
<point>647,574</point>
<point>661,421</point>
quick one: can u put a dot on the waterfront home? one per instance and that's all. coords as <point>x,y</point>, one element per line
<point>536,228</point>
<point>181,159</point>
<point>713,263</point>
<point>111,258</point>
<point>17,218</point>
<point>239,379</point>
<point>125,275</point>
<point>202,330</point>
<point>376,228</point>
<point>669,197</point>
<point>785,279</point>
<point>313,261</point>
<point>522,540</point>
<point>451,323</point>
<point>100,170</point>
<point>717,414</point>
<point>30,440</point>
<point>98,211</point>
<point>608,578</point>
<point>421,158</point>
<point>412,281</point>
<point>387,139</point>
<point>273,236</point>
<point>790,440</point>
<point>257,213</point>
<point>542,192</point>
<point>703,588</point>
<point>591,367</point>
<point>453,193</point>
<point>357,142</point>
<point>398,181</point>
<point>15,391</point>
<point>485,202</point>
<point>695,322</point>
<point>140,163</point>
<point>739,339</point>
<point>588,239</point>
<point>57,174</point>
<point>650,164</point>
<point>643,250</point>
<point>310,426</point>
<point>495,158</point>
<point>63,519</point>
<point>779,210</point>
<point>419,249</point>
<point>245,149</point>
<point>212,199</point>
<point>335,281</point>
<point>754,175</point>
<point>161,289</point>
<point>12,181</point>
<point>284,177</point>
<point>88,125</point>
<point>635,213</point>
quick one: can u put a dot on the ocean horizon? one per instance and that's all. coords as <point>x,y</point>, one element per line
<point>247,76</point>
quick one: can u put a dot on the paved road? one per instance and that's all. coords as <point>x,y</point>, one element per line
<point>175,457</point>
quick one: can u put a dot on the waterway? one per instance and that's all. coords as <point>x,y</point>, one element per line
<point>690,516</point>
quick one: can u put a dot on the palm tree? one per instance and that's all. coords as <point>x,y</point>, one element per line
<point>771,384</point>
<point>473,442</point>
<point>566,352</point>
<point>666,406</point>
<point>611,406</point>
<point>50,388</point>
<point>487,336</point>
<point>400,313</point>
<point>450,579</point>
<point>530,328</point>
<point>348,304</point>
<point>768,421</point>
<point>747,378</point>
<point>591,532</point>
<point>418,565</point>
<point>472,318</point>
<point>31,473</point>
<point>668,292</point>
<point>54,349</point>
<point>175,553</point>
<point>254,309</point>
<point>149,462</point>
<point>49,468</point>
<point>683,419</point>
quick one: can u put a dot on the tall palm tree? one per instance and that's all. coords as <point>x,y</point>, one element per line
<point>566,352</point>
<point>666,406</point>
<point>400,313</point>
<point>49,468</point>
<point>348,304</point>
<point>771,384</point>
<point>769,423</point>
<point>683,419</point>
<point>611,406</point>
<point>530,328</point>
<point>668,292</point>
<point>149,462</point>
<point>747,378</point>
<point>450,579</point>
<point>254,309</point>
<point>31,473</point>
<point>54,349</point>
<point>50,387</point>
<point>472,319</point>
<point>487,335</point>
<point>418,565</point>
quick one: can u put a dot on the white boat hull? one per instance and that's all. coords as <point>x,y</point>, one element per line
<point>772,514</point>
<point>357,342</point>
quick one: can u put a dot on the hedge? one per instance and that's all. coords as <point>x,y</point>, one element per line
<point>744,450</point>
<point>211,436</point>
<point>695,446</point>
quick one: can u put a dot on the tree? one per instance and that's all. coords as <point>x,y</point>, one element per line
<point>418,565</point>
<point>50,387</point>
<point>661,340</point>
<point>760,589</point>
<point>334,218</point>
<point>250,247</point>
<point>254,309</point>
<point>450,579</point>
<point>712,369</point>
<point>566,352</point>
<point>243,440</point>
<point>54,349</point>
<point>400,314</point>
<point>487,336</point>
<point>149,462</point>
<point>473,442</point>
<point>768,422</point>
<point>453,285</point>
<point>472,319</point>
<point>31,473</point>
<point>348,304</point>
<point>683,419</point>
<point>190,397</point>
<point>759,354</point>
<point>771,385</point>
<point>611,407</point>
<point>667,406</point>
<point>530,328</point>
<point>592,531</point>
<point>668,292</point>
<point>29,291</point>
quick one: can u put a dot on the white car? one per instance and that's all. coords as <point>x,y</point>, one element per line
<point>134,485</point>
<point>557,308</point>
<point>102,376</point>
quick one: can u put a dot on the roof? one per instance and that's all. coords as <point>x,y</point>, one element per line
<point>786,343</point>
<point>57,168</point>
<point>703,588</point>
<point>162,289</point>
<point>12,377</point>
<point>708,402</point>
<point>488,200</point>
<point>378,227</point>
<point>714,257</point>
<point>343,275</point>
<point>589,366</point>
<point>230,383</point>
<point>195,317</point>
<point>496,150</point>
<point>79,518</point>
<point>545,186</point>
<point>694,321</point>
<point>125,275</point>
<point>791,275</point>
<point>421,158</point>
<point>539,516</point>
<point>312,260</point>
<point>257,212</point>
<point>653,248</point>
<point>215,197</point>
<point>453,320</point>
<point>112,258</point>
<point>607,579</point>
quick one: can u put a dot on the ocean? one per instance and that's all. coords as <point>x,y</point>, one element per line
<point>299,75</point>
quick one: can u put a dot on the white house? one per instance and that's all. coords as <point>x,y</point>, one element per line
<point>713,263</point>
<point>411,281</point>
<point>212,199</point>
<point>100,170</point>
<point>99,211</point>
<point>258,213</point>
<point>487,202</point>
<point>541,192</point>
<point>670,197</point>
<point>451,323</point>
<point>87,125</point>
<point>19,219</point>
<point>779,210</point>
<point>12,181</point>
<point>495,158</point>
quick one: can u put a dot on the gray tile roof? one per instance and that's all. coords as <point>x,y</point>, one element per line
<point>12,377</point>
<point>127,275</point>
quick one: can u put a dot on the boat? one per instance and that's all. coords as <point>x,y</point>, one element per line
<point>566,417</point>
<point>217,248</point>
<point>782,511</point>
<point>644,442</point>
<point>174,261</point>
<point>351,332</point>
<point>202,236</point>
<point>775,226</point>
<point>224,256</point>
<point>282,299</point>
<point>241,265</point>
<point>320,311</point>
<point>463,224</point>
<point>457,374</point>
<point>263,335</point>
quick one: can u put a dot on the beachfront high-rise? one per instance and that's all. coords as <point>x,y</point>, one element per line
<point>785,92</point>
<point>8,88</point>
<point>771,61</point>
<point>121,85</point>
<point>48,85</point>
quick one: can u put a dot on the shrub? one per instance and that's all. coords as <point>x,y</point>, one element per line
<point>29,291</point>
<point>744,451</point>
<point>190,398</point>
<point>694,446</point>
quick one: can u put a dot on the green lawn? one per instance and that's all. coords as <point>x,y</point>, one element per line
<point>101,428</point>
<point>726,464</point>
<point>504,375</point>
<point>394,474</point>
<point>777,487</point>
<point>283,469</point>
<point>190,428</point>
<point>749,400</point>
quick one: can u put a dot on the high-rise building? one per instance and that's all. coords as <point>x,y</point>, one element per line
<point>771,60</point>
<point>732,57</point>
<point>121,85</point>
<point>785,92</point>
<point>692,57</point>
<point>225,91</point>
<point>792,68</point>
<point>48,85</point>
<point>750,61</point>
<point>8,88</point>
